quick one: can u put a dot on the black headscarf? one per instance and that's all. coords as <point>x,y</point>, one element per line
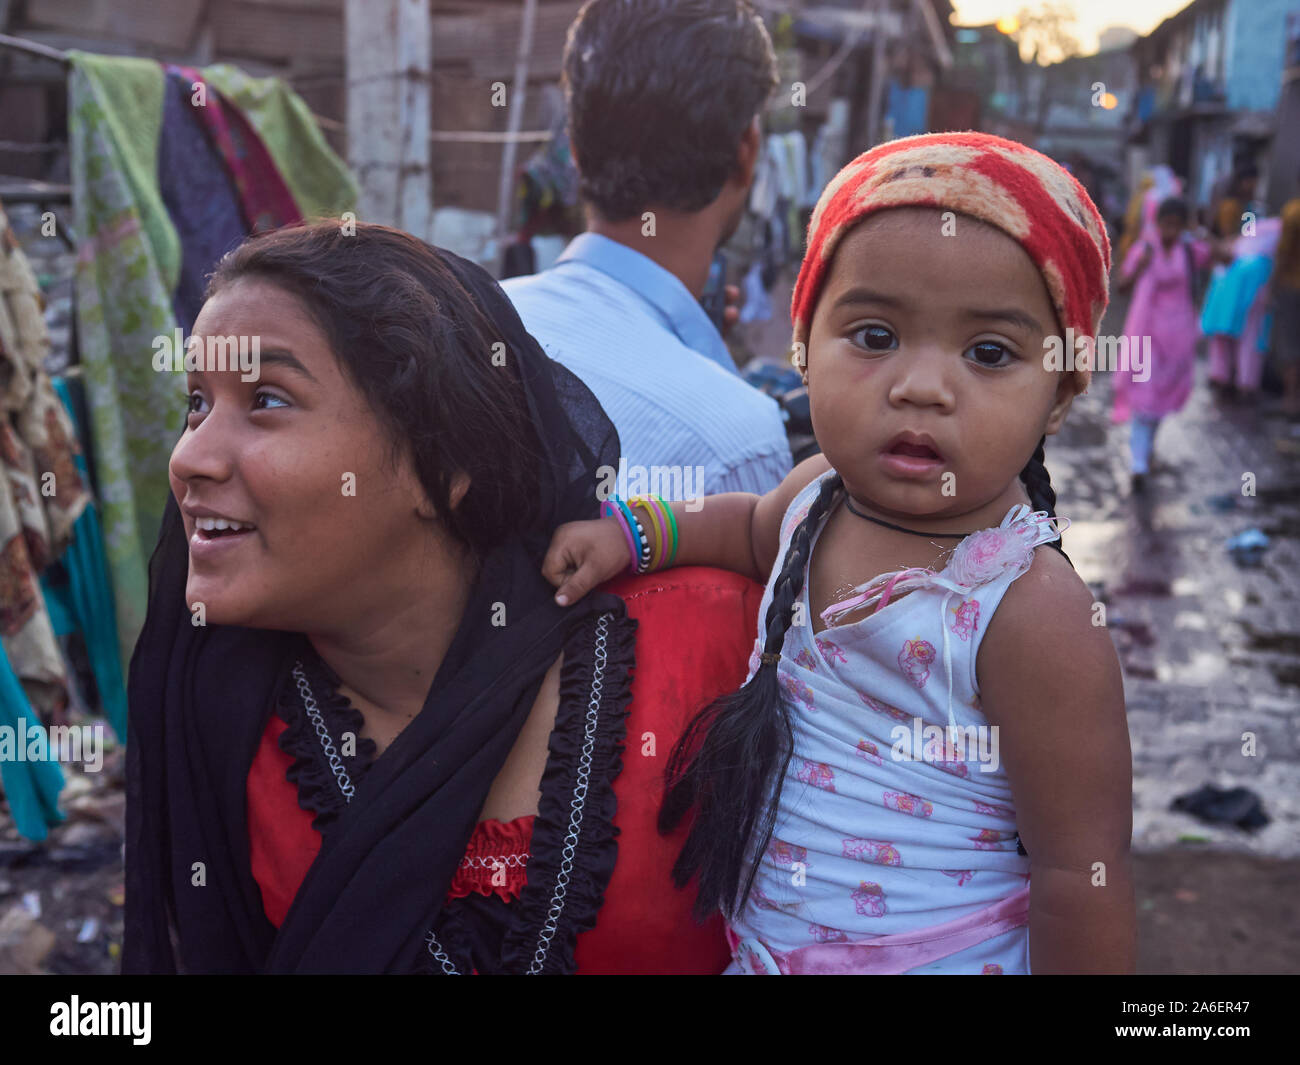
<point>201,696</point>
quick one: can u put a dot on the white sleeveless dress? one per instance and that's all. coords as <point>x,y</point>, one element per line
<point>884,825</point>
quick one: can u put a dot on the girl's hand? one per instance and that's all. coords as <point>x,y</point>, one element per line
<point>584,554</point>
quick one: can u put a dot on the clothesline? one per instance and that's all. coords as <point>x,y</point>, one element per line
<point>455,135</point>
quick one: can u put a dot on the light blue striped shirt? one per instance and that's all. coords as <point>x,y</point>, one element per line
<point>646,348</point>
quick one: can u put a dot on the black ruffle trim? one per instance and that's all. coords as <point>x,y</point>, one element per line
<point>567,878</point>
<point>318,788</point>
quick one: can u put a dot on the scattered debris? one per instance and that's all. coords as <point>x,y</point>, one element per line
<point>24,942</point>
<point>1235,806</point>
<point>1247,548</point>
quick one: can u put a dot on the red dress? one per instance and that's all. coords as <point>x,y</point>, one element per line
<point>695,632</point>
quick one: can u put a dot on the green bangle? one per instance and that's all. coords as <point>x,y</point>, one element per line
<point>672,524</point>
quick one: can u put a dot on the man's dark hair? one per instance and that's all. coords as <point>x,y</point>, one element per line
<point>659,94</point>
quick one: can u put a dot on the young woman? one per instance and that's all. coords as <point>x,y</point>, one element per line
<point>363,736</point>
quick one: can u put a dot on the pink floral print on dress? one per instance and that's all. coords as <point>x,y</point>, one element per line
<point>832,652</point>
<point>965,618</point>
<point>993,809</point>
<point>805,658</point>
<point>797,691</point>
<point>869,899</point>
<point>786,854</point>
<point>908,804</point>
<point>961,875</point>
<point>822,934</point>
<point>818,774</point>
<point>989,839</point>
<point>880,851</point>
<point>869,752</point>
<point>991,969</point>
<point>915,660</point>
<point>884,708</point>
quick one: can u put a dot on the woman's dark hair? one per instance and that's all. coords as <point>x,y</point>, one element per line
<point>732,759</point>
<point>423,353</point>
<point>659,93</point>
<point>1173,207</point>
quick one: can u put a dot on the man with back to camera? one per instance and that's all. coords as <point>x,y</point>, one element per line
<point>664,102</point>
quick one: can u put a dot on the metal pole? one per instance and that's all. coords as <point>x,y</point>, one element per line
<point>514,120</point>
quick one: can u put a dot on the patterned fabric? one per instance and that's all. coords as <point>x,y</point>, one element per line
<point>264,198</point>
<point>128,262</point>
<point>888,823</point>
<point>42,494</point>
<point>317,179</point>
<point>201,198</point>
<point>1024,194</point>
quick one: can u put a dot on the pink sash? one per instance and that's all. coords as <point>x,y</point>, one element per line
<point>887,955</point>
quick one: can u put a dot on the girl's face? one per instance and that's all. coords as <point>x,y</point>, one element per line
<point>301,462</point>
<point>941,336</point>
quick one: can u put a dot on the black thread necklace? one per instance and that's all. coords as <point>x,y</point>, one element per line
<point>848,502</point>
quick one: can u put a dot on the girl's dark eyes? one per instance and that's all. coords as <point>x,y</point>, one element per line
<point>876,338</point>
<point>262,394</point>
<point>262,400</point>
<point>989,350</point>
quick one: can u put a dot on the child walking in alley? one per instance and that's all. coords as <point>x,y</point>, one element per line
<point>1162,275</point>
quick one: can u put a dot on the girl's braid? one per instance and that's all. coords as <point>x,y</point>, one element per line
<point>1038,483</point>
<point>732,758</point>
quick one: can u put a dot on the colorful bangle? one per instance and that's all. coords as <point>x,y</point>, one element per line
<point>656,520</point>
<point>617,510</point>
<point>672,526</point>
<point>643,556</point>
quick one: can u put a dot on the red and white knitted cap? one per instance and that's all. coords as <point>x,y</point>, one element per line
<point>1029,197</point>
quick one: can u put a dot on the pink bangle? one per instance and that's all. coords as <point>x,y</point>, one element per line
<point>616,512</point>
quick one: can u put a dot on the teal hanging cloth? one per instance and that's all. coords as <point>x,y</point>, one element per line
<point>87,597</point>
<point>32,787</point>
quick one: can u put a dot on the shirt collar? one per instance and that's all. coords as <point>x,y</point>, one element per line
<point>664,292</point>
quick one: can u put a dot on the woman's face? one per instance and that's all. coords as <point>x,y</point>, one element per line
<point>939,331</point>
<point>300,461</point>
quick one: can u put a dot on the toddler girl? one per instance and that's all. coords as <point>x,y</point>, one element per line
<point>927,689</point>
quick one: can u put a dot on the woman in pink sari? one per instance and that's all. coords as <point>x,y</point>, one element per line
<point>1162,369</point>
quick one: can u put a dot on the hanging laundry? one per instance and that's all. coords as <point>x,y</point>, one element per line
<point>546,196</point>
<point>31,785</point>
<point>317,179</point>
<point>264,198</point>
<point>197,189</point>
<point>42,493</point>
<point>128,264</point>
<point>79,585</point>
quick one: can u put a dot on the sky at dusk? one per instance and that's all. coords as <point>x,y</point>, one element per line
<point>1092,16</point>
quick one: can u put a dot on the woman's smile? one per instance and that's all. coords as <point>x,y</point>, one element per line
<point>212,539</point>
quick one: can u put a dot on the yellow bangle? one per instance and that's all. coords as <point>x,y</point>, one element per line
<point>657,548</point>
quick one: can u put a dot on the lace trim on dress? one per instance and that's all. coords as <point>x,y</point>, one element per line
<point>317,718</point>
